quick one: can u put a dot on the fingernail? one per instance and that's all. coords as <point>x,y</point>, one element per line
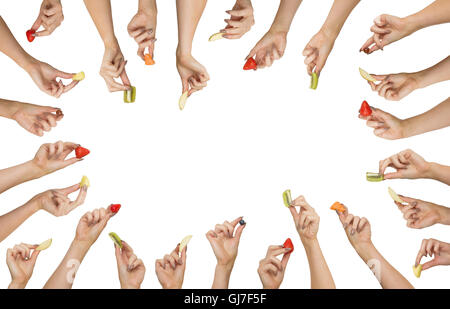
<point>352,232</point>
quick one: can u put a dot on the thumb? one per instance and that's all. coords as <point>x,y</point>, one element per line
<point>37,23</point>
<point>239,231</point>
<point>185,85</point>
<point>252,52</point>
<point>429,264</point>
<point>70,161</point>
<point>285,260</point>
<point>64,74</point>
<point>34,256</point>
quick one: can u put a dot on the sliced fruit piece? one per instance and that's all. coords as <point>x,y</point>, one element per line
<point>338,206</point>
<point>417,270</point>
<point>395,196</point>
<point>287,198</point>
<point>250,64</point>
<point>184,243</point>
<point>116,239</point>
<point>81,152</point>
<point>366,76</point>
<point>288,244</point>
<point>129,96</point>
<point>182,100</point>
<point>216,36</point>
<point>365,109</point>
<point>30,35</point>
<point>78,76</point>
<point>374,177</point>
<point>115,208</point>
<point>85,182</point>
<point>148,59</point>
<point>45,245</point>
<point>314,80</point>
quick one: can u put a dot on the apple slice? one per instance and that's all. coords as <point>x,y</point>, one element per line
<point>182,100</point>
<point>45,245</point>
<point>116,239</point>
<point>366,76</point>
<point>184,243</point>
<point>85,182</point>
<point>314,80</point>
<point>216,36</point>
<point>78,76</point>
<point>374,177</point>
<point>129,96</point>
<point>417,270</point>
<point>287,198</point>
<point>395,196</point>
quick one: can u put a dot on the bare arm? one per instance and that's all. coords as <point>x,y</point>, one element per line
<point>285,15</point>
<point>436,13</point>
<point>321,277</point>
<point>101,14</point>
<point>13,219</point>
<point>13,176</point>
<point>188,14</point>
<point>337,16</point>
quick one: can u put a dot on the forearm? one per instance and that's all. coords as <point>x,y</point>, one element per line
<point>8,108</point>
<point>13,219</point>
<point>439,172</point>
<point>14,285</point>
<point>436,13</point>
<point>286,12</point>
<point>387,275</point>
<point>339,13</point>
<point>222,276</point>
<point>64,275</point>
<point>434,119</point>
<point>321,277</point>
<point>13,176</point>
<point>437,73</point>
<point>188,14</point>
<point>147,6</point>
<point>101,14</point>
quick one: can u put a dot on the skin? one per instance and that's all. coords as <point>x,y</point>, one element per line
<point>46,77</point>
<point>306,222</point>
<point>142,27</point>
<point>439,250</point>
<point>241,20</point>
<point>170,269</point>
<point>131,269</point>
<point>388,29</point>
<point>35,119</point>
<point>359,234</point>
<point>390,127</point>
<point>56,202</point>
<point>194,76</point>
<point>50,17</point>
<point>88,230</point>
<point>319,47</point>
<point>272,45</point>
<point>113,63</point>
<point>271,269</point>
<point>48,159</point>
<point>395,87</point>
<point>21,260</point>
<point>409,165</point>
<point>224,241</point>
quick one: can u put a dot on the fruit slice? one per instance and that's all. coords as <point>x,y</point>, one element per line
<point>287,198</point>
<point>314,80</point>
<point>366,76</point>
<point>85,182</point>
<point>116,239</point>
<point>216,36</point>
<point>365,109</point>
<point>115,208</point>
<point>81,152</point>
<point>395,196</point>
<point>338,206</point>
<point>45,245</point>
<point>148,59</point>
<point>184,243</point>
<point>78,76</point>
<point>288,244</point>
<point>374,177</point>
<point>182,100</point>
<point>417,270</point>
<point>250,64</point>
<point>30,35</point>
<point>129,96</point>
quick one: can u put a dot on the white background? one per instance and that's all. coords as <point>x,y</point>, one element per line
<point>235,148</point>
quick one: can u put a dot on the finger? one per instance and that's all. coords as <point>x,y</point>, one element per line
<point>69,190</point>
<point>70,86</point>
<point>421,252</point>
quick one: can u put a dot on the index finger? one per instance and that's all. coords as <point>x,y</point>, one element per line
<point>70,189</point>
<point>68,87</point>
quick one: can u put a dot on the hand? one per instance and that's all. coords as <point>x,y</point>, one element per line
<point>408,165</point>
<point>387,29</point>
<point>271,270</point>
<point>50,16</point>
<point>142,29</point>
<point>170,269</point>
<point>52,157</point>
<point>395,87</point>
<point>419,214</point>
<point>35,118</point>
<point>240,21</point>
<point>270,48</point>
<point>224,244</point>
<point>92,224</point>
<point>57,202</point>
<point>357,229</point>
<point>385,125</point>
<point>21,261</point>
<point>131,269</point>
<point>306,220</point>
<point>193,75</point>
<point>44,76</point>
<point>317,51</point>
<point>113,66</point>
<point>432,247</point>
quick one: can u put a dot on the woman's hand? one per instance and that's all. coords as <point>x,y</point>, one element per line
<point>52,157</point>
<point>270,48</point>
<point>113,66</point>
<point>193,75</point>
<point>434,248</point>
<point>395,87</point>
<point>385,125</point>
<point>21,260</point>
<point>408,165</point>
<point>92,224</point>
<point>317,51</point>
<point>271,270</point>
<point>241,20</point>
<point>170,269</point>
<point>357,229</point>
<point>142,28</point>
<point>50,17</point>
<point>36,119</point>
<point>420,214</point>
<point>131,269</point>
<point>306,220</point>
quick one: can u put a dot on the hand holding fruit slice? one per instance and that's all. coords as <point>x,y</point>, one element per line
<point>116,239</point>
<point>417,270</point>
<point>314,80</point>
<point>365,109</point>
<point>45,245</point>
<point>85,182</point>
<point>289,245</point>
<point>184,243</point>
<point>30,35</point>
<point>250,64</point>
<point>287,198</point>
<point>182,100</point>
<point>374,177</point>
<point>338,207</point>
<point>148,59</point>
<point>395,196</point>
<point>366,76</point>
<point>78,76</point>
<point>81,152</point>
<point>216,36</point>
<point>129,96</point>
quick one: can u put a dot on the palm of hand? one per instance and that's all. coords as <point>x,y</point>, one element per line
<point>394,130</point>
<point>310,232</point>
<point>364,236</point>
<point>142,21</point>
<point>402,85</point>
<point>88,233</point>
<point>21,269</point>
<point>44,75</point>
<point>270,280</point>
<point>170,277</point>
<point>133,277</point>
<point>189,67</point>
<point>271,41</point>
<point>397,30</point>
<point>28,119</point>
<point>225,249</point>
<point>321,44</point>
<point>427,215</point>
<point>50,204</point>
<point>47,163</point>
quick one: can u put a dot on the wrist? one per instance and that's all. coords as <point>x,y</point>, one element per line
<point>111,42</point>
<point>80,244</point>
<point>431,171</point>
<point>18,284</point>
<point>224,267</point>
<point>171,286</point>
<point>413,23</point>
<point>147,7</point>
<point>183,51</point>
<point>8,109</point>
<point>127,286</point>
<point>34,171</point>
<point>310,243</point>
<point>444,215</point>
<point>330,31</point>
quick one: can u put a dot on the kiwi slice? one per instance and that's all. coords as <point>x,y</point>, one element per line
<point>116,239</point>
<point>287,199</point>
<point>129,96</point>
<point>314,80</point>
<point>374,177</point>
